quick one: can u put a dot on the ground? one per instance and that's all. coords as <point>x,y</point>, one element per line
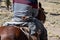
<point>52,23</point>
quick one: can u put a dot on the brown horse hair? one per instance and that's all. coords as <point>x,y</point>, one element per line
<point>14,32</point>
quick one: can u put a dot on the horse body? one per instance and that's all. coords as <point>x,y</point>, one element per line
<point>11,33</point>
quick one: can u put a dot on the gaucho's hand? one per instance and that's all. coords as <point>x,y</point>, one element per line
<point>25,17</point>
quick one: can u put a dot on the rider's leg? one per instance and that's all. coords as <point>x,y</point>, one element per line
<point>21,10</point>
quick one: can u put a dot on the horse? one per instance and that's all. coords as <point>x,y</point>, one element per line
<point>11,33</point>
<point>15,33</point>
<point>41,14</point>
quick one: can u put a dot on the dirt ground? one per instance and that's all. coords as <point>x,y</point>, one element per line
<point>52,23</point>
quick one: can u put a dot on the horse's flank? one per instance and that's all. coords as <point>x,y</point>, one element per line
<point>11,33</point>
